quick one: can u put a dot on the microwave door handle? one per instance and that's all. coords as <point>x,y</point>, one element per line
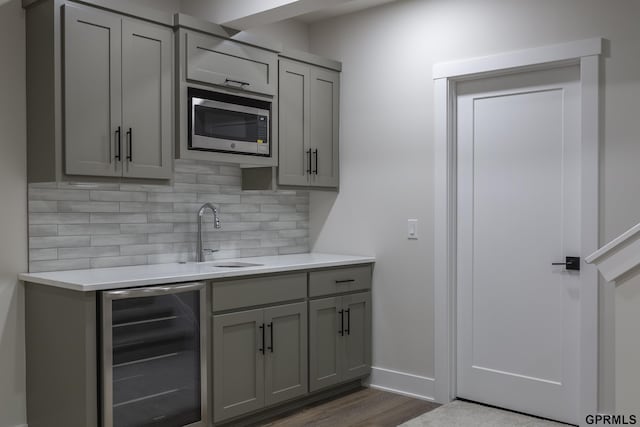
<point>154,291</point>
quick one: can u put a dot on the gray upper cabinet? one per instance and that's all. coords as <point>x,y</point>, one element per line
<point>93,91</point>
<point>223,62</point>
<point>147,100</point>
<point>309,103</point>
<point>118,96</point>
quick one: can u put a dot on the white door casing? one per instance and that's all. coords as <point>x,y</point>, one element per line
<point>586,54</point>
<point>518,212</point>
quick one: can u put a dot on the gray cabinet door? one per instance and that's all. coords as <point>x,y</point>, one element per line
<point>357,335</point>
<point>325,343</point>
<point>286,374</point>
<point>147,102</point>
<point>228,63</point>
<point>325,126</point>
<point>295,156</point>
<point>238,363</point>
<point>92,91</point>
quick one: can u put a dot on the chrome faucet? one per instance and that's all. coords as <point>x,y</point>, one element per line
<point>216,224</point>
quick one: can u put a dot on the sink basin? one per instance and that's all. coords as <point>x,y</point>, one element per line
<point>234,264</point>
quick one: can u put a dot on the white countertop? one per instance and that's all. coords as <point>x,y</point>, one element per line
<point>99,279</point>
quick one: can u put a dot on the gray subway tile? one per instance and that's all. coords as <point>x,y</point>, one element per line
<point>187,166</point>
<point>291,234</point>
<point>43,230</point>
<point>57,194</point>
<point>148,249</point>
<point>88,252</point>
<point>132,207</point>
<point>90,207</point>
<point>258,216</point>
<point>259,199</point>
<point>118,218</point>
<point>172,197</point>
<point>119,239</point>
<point>262,235</point>
<point>276,243</point>
<point>302,208</point>
<point>186,207</point>
<point>180,187</point>
<point>278,208</point>
<point>43,254</point>
<point>118,261</point>
<point>240,226</point>
<point>218,179</point>
<point>230,170</point>
<point>297,216</point>
<point>145,228</point>
<point>170,258</point>
<point>258,252</point>
<point>171,217</point>
<point>172,237</point>
<point>59,265</point>
<point>146,188</point>
<point>184,178</point>
<point>43,206</point>
<point>118,196</point>
<point>87,229</point>
<point>58,242</point>
<point>239,208</point>
<point>288,250</point>
<point>218,198</point>
<point>58,218</point>
<point>240,244</point>
<point>278,225</point>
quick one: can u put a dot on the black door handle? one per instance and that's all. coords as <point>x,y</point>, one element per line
<point>341,331</point>
<point>345,281</point>
<point>316,154</point>
<point>571,263</point>
<point>119,154</point>
<point>261,349</point>
<point>130,139</point>
<point>270,325</point>
<point>309,164</point>
<point>348,330</point>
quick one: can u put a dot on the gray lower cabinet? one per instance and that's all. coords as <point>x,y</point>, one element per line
<point>339,339</point>
<point>259,358</point>
<point>117,95</point>
<point>309,103</point>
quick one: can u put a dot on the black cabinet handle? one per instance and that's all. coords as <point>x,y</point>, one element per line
<point>341,331</point>
<point>261,349</point>
<point>309,164</point>
<point>130,139</point>
<point>348,330</point>
<point>345,281</point>
<point>119,154</point>
<point>270,325</point>
<point>316,154</point>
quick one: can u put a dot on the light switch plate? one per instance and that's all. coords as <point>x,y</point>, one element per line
<point>412,229</point>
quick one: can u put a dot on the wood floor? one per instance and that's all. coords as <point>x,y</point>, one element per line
<point>363,408</point>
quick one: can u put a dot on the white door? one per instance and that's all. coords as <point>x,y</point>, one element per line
<point>519,212</point>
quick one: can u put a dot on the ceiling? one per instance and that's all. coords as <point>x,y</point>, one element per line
<point>340,9</point>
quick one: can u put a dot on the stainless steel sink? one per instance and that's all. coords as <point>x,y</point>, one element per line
<point>234,264</point>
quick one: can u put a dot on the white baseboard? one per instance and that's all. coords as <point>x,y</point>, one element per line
<point>402,383</point>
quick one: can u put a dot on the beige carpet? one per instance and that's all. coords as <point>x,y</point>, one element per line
<point>464,414</point>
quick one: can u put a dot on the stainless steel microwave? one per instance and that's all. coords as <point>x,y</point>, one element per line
<point>228,123</point>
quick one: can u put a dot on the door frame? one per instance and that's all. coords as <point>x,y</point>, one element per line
<point>586,54</point>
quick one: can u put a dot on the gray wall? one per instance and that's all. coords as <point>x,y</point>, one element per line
<point>81,225</point>
<point>387,152</point>
<point>13,226</point>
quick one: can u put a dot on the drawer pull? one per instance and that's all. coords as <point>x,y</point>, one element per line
<point>341,331</point>
<point>345,281</point>
<point>240,84</point>
<point>270,326</point>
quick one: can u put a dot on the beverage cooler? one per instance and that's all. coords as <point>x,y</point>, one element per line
<point>154,356</point>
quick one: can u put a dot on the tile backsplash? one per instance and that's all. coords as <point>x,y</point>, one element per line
<point>91,225</point>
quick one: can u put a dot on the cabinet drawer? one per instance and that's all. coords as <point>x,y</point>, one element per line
<point>232,294</point>
<point>228,63</point>
<point>338,280</point>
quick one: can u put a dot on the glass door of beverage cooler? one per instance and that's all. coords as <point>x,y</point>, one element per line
<point>153,356</point>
